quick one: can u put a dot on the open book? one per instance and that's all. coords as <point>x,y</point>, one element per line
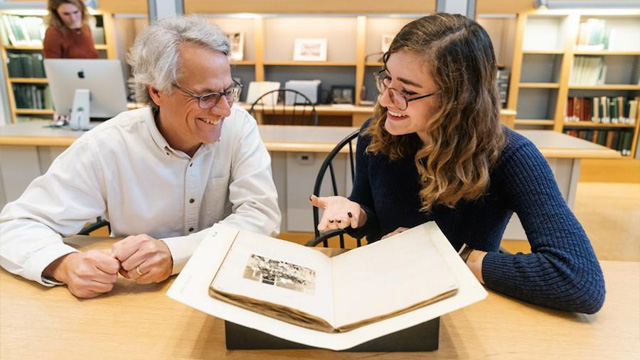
<point>305,287</point>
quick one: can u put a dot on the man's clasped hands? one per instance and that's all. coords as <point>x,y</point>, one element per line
<point>140,258</point>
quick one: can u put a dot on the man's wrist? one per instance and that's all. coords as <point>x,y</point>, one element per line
<point>55,271</point>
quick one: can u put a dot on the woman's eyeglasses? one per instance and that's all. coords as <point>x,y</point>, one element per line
<point>399,100</point>
<point>207,101</point>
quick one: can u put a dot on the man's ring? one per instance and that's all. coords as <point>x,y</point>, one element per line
<point>138,271</point>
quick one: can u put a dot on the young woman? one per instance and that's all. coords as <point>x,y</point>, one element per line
<point>435,151</point>
<point>68,35</point>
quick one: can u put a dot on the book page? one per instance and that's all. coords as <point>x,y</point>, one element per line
<point>388,276</point>
<point>278,272</point>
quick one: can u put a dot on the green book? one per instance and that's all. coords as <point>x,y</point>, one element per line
<point>27,65</point>
<point>48,104</point>
<point>14,65</point>
<point>602,137</point>
<point>8,28</point>
<point>37,66</point>
<point>626,143</point>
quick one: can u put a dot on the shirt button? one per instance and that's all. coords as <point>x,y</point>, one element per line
<point>190,165</point>
<point>190,229</point>
<point>191,201</point>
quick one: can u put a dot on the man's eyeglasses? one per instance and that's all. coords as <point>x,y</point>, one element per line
<point>207,101</point>
<point>399,100</point>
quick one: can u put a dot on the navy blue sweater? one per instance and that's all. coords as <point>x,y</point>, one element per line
<point>562,271</point>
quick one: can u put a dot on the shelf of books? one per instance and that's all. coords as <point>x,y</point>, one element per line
<point>604,82</point>
<point>22,35</point>
<point>578,72</point>
<point>342,51</point>
<point>264,48</point>
<point>608,121</point>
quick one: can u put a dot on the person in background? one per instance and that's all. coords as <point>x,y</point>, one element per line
<point>68,35</point>
<point>162,175</point>
<point>435,151</point>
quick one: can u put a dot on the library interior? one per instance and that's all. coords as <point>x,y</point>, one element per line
<point>568,80</point>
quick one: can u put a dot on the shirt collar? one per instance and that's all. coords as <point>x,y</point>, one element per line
<point>162,143</point>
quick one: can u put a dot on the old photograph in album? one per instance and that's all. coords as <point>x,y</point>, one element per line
<point>305,287</point>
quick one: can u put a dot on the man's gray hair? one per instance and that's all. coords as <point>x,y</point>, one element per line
<point>154,57</point>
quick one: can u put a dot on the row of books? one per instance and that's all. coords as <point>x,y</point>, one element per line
<point>25,65</point>
<point>22,30</point>
<point>619,140</point>
<point>588,70</point>
<point>29,96</point>
<point>602,110</point>
<point>502,80</point>
<point>593,35</point>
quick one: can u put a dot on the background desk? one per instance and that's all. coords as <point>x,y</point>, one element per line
<point>351,115</point>
<point>27,150</point>
<point>141,322</point>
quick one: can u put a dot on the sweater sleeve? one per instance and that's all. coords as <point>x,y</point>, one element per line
<point>562,271</point>
<point>362,192</point>
<point>52,44</point>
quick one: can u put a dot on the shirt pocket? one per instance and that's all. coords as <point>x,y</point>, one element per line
<point>216,200</point>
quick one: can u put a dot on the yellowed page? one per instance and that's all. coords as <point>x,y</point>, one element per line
<point>388,276</point>
<point>278,272</point>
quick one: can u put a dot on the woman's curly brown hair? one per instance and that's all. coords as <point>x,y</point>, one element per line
<point>465,137</point>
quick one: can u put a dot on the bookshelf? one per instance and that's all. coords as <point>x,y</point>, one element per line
<point>267,51</point>
<point>22,58</point>
<point>353,54</point>
<point>558,68</point>
<point>353,49</point>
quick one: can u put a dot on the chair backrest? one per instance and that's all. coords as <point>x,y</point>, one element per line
<point>327,164</point>
<point>100,223</point>
<point>272,108</point>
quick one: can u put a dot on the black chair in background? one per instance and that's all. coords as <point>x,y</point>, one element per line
<point>100,223</point>
<point>273,104</point>
<point>328,165</point>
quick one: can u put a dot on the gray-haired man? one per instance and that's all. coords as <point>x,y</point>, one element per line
<point>162,175</point>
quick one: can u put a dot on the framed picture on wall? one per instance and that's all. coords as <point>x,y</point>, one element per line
<point>237,45</point>
<point>310,50</point>
<point>386,42</point>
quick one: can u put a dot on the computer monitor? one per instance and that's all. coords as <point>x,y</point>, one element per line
<point>103,79</point>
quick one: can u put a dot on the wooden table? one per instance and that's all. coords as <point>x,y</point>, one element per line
<point>141,322</point>
<point>551,144</point>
